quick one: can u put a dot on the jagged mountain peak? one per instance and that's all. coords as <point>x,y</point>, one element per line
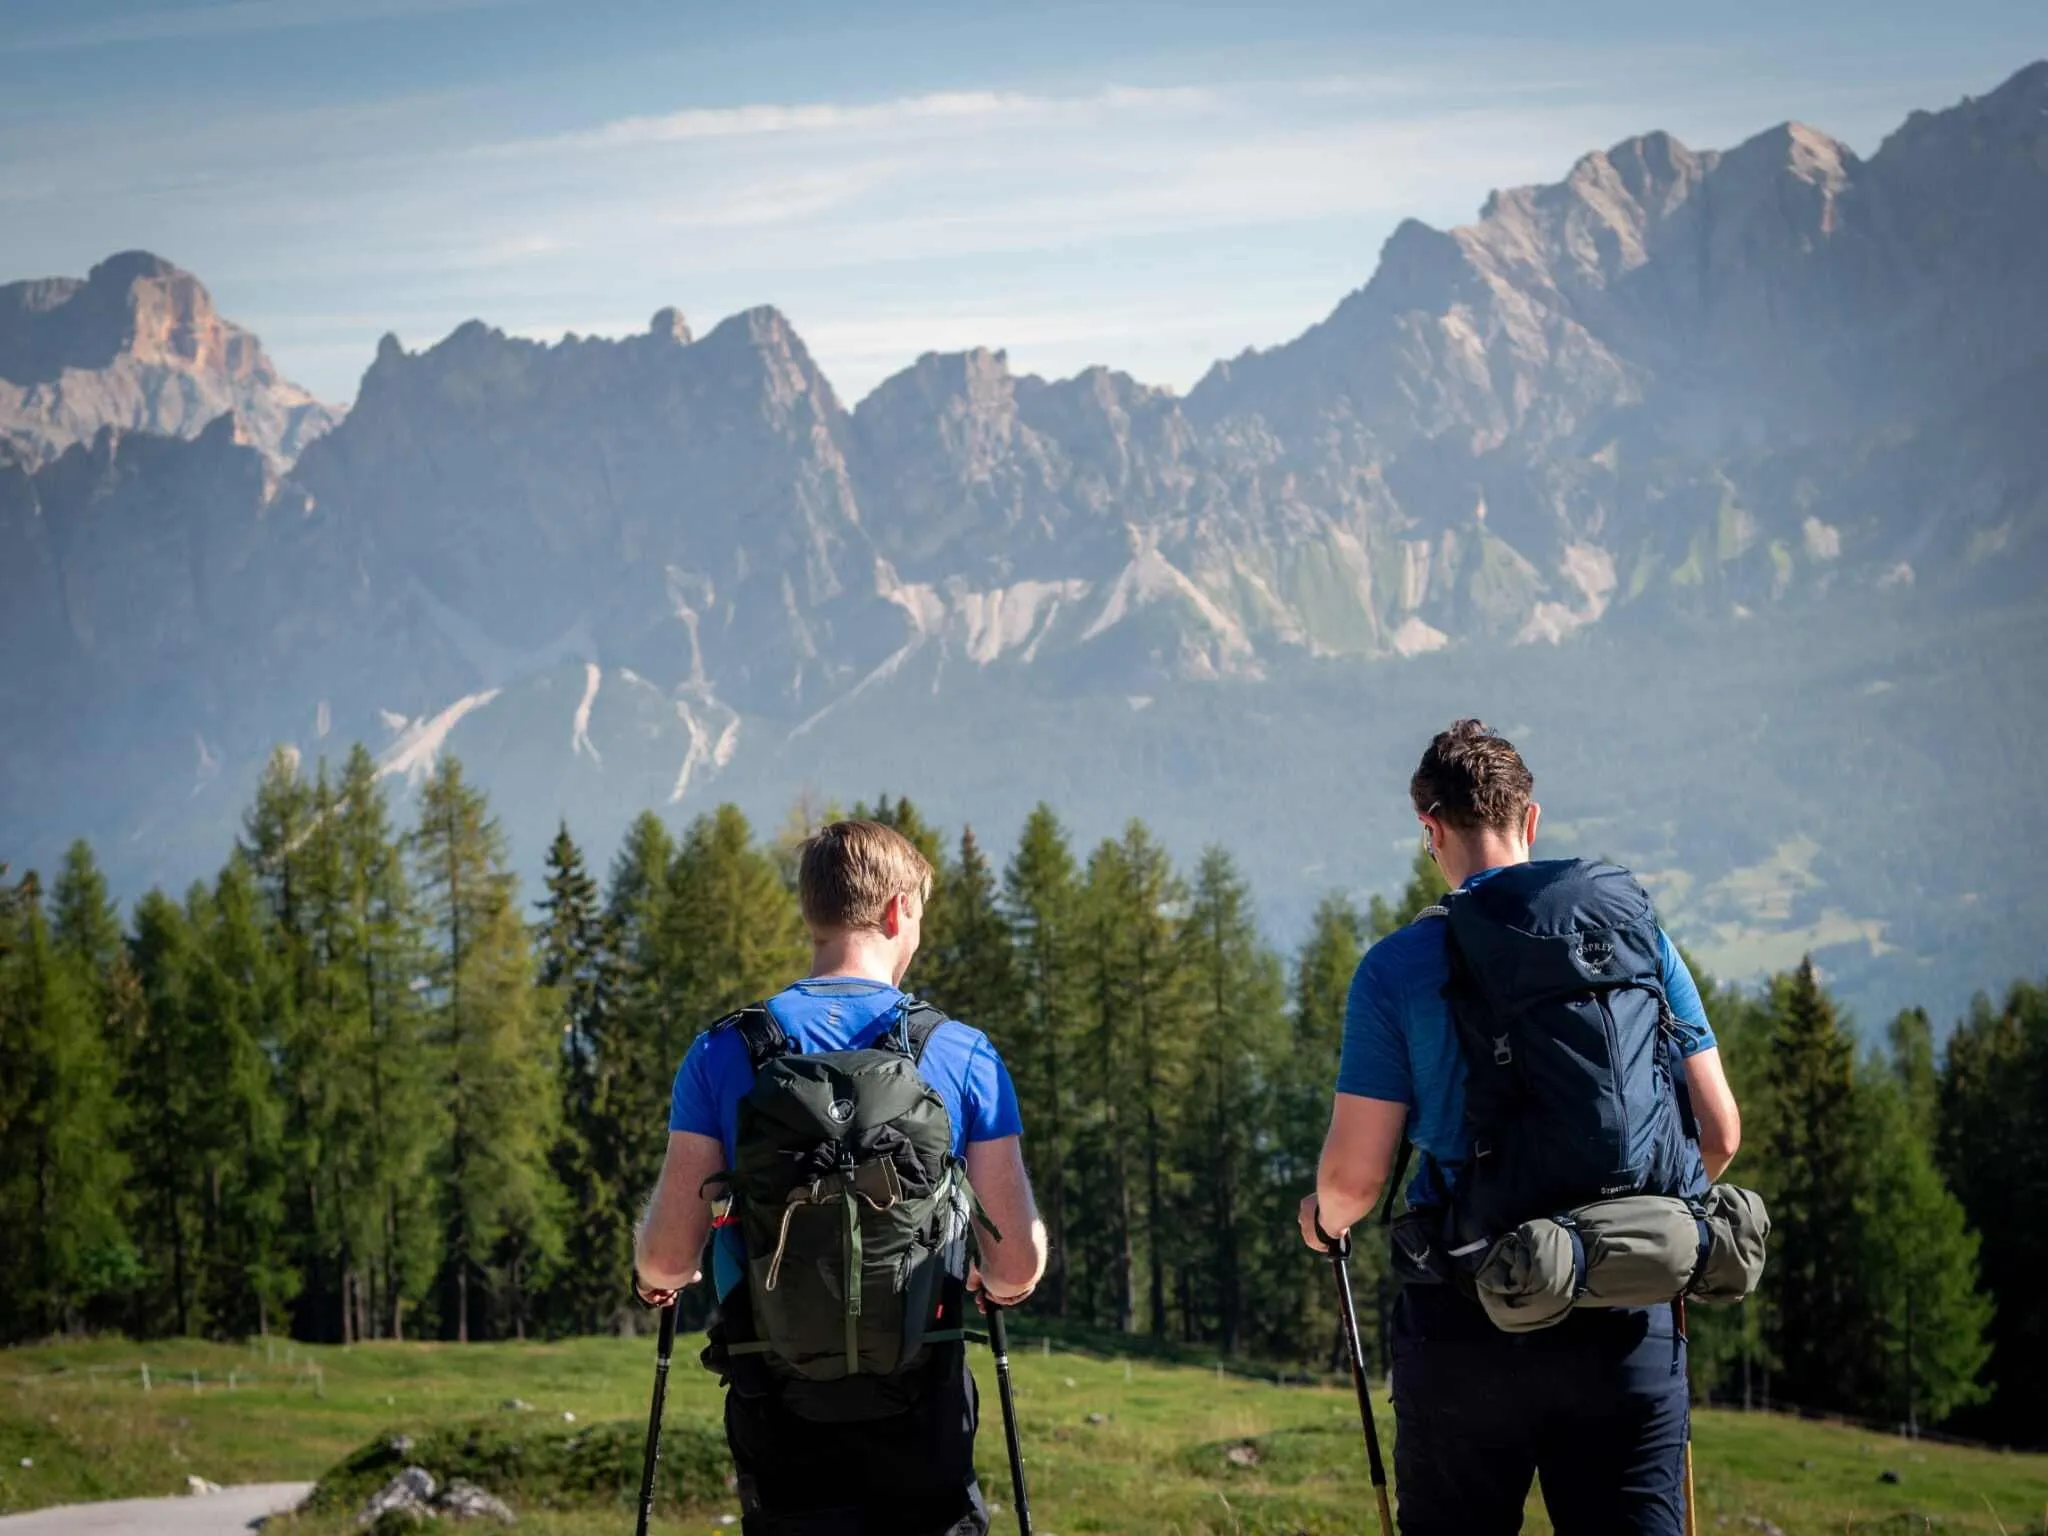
<point>138,344</point>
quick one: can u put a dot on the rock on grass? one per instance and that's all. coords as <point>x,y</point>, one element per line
<point>536,1464</point>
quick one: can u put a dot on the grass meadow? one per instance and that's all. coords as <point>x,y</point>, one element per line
<point>1113,1444</point>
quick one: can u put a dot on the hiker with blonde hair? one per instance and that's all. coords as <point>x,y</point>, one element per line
<point>837,1141</point>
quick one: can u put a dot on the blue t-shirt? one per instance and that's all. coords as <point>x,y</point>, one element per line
<point>838,1014</point>
<point>1400,1044</point>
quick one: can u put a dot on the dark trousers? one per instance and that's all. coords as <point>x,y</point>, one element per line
<point>908,1475</point>
<point>1596,1408</point>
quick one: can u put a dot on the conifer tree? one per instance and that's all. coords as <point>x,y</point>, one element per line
<point>1917,1264</point>
<point>1041,896</point>
<point>578,977</point>
<point>1306,1318</point>
<point>971,971</point>
<point>1235,1013</point>
<point>1134,901</point>
<point>1994,1151</point>
<point>1819,1317</point>
<point>162,1085</point>
<point>636,911</point>
<point>1911,1038</point>
<point>60,1164</point>
<point>234,1123</point>
<point>84,925</point>
<point>395,1234</point>
<point>496,1059</point>
<point>731,933</point>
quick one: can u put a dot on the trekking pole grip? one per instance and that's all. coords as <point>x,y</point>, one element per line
<point>1338,1247</point>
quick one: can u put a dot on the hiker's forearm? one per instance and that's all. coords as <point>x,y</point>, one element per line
<point>1358,1157</point>
<point>1013,1262</point>
<point>1714,1106</point>
<point>1340,1205</point>
<point>670,1239</point>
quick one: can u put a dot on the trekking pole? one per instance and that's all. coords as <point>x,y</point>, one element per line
<point>664,1347</point>
<point>1339,1250</point>
<point>999,1346</point>
<point>1692,1511</point>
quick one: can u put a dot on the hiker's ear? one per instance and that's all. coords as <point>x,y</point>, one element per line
<point>1534,815</point>
<point>892,917</point>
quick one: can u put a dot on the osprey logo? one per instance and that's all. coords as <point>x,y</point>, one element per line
<point>841,1111</point>
<point>1596,954</point>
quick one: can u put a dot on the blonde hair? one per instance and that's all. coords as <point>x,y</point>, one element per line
<point>851,869</point>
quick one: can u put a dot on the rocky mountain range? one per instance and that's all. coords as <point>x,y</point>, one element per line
<point>1677,393</point>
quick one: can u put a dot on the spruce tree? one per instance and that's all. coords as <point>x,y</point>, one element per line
<point>1819,1317</point>
<point>499,1208</point>
<point>1041,897</point>
<point>971,967</point>
<point>1994,1150</point>
<point>578,976</point>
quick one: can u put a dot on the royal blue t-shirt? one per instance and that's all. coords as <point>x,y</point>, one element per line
<point>838,1013</point>
<point>1400,1044</point>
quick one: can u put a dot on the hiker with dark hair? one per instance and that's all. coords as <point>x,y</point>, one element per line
<point>1539,1040</point>
<point>836,1141</point>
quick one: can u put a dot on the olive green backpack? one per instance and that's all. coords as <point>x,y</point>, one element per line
<point>854,1215</point>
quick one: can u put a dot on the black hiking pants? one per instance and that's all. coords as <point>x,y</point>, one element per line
<point>909,1475</point>
<point>1595,1408</point>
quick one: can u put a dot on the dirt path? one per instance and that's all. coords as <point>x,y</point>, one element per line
<point>230,1512</point>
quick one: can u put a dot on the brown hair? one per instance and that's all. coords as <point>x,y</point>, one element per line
<point>1471,777</point>
<point>850,870</point>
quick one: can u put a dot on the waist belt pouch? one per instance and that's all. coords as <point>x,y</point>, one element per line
<point>1739,1227</point>
<point>1637,1251</point>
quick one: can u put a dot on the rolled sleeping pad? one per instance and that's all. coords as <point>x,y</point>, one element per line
<point>1636,1251</point>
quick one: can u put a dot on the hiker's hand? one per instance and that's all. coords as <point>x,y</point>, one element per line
<point>652,1296</point>
<point>1310,1213</point>
<point>986,1294</point>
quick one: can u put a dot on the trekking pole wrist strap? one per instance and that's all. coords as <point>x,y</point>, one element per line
<point>1339,1246</point>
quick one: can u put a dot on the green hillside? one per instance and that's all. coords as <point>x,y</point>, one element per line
<point>1176,1447</point>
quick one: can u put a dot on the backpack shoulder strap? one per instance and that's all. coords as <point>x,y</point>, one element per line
<point>760,1031</point>
<point>1439,910</point>
<point>919,1021</point>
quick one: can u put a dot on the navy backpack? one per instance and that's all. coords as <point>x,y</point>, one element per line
<point>1574,1080</point>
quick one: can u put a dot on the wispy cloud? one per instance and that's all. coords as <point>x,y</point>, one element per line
<point>938,110</point>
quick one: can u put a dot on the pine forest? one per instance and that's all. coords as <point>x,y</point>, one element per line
<point>362,1086</point>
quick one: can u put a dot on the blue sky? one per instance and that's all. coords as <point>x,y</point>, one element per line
<point>1150,186</point>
